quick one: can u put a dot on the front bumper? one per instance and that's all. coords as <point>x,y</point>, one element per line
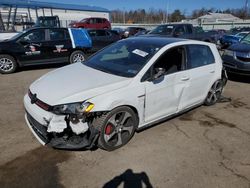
<point>36,120</point>
<point>233,65</point>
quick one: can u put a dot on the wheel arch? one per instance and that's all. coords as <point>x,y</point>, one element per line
<point>12,55</point>
<point>113,106</point>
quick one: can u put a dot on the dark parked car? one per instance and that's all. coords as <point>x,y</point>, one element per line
<point>130,31</point>
<point>119,30</point>
<point>94,23</point>
<point>182,30</point>
<point>216,34</point>
<point>236,58</point>
<point>47,21</point>
<point>102,37</point>
<point>228,40</point>
<point>236,30</point>
<point>43,46</point>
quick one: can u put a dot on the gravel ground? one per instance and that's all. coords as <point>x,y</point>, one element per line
<point>206,147</point>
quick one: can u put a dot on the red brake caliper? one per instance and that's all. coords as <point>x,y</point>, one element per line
<point>108,129</point>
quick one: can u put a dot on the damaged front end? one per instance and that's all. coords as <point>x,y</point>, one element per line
<point>68,127</point>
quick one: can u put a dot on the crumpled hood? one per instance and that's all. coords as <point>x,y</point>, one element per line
<point>239,47</point>
<point>74,83</point>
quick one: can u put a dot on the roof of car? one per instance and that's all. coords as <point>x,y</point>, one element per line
<point>38,27</point>
<point>157,39</point>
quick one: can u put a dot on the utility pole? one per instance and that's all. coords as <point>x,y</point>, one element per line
<point>2,28</point>
<point>246,9</point>
<point>167,11</point>
<point>124,19</point>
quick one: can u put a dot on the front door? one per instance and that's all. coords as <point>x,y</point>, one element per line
<point>164,94</point>
<point>32,47</point>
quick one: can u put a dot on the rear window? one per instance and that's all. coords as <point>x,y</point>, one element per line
<point>199,55</point>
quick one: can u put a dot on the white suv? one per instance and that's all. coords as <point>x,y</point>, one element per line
<point>127,86</point>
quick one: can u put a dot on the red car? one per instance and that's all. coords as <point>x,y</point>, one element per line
<point>92,23</point>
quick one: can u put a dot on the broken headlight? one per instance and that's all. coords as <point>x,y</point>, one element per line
<point>73,108</point>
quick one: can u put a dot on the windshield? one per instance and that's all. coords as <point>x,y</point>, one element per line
<point>125,58</point>
<point>241,34</point>
<point>163,29</point>
<point>18,35</point>
<point>246,39</point>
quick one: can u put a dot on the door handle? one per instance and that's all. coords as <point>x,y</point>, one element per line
<point>212,71</point>
<point>185,78</point>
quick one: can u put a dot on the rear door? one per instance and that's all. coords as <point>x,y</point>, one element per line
<point>59,45</point>
<point>201,68</point>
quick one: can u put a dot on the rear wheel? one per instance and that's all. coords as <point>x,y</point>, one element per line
<point>7,64</point>
<point>214,93</point>
<point>116,128</point>
<point>77,56</point>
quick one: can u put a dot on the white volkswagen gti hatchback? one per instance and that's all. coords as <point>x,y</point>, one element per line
<point>125,87</point>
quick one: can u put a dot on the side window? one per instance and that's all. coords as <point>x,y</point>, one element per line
<point>199,55</point>
<point>91,20</point>
<point>67,36</point>
<point>173,60</point>
<point>180,30</point>
<point>99,20</point>
<point>189,29</point>
<point>57,34</point>
<point>35,36</point>
<point>100,33</point>
<point>92,33</point>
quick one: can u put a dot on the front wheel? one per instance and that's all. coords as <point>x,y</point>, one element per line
<point>116,128</point>
<point>77,56</point>
<point>7,64</point>
<point>214,93</point>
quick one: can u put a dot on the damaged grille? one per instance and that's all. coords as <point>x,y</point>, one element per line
<point>38,102</point>
<point>39,129</point>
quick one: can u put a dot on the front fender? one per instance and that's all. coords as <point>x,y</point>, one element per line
<point>134,97</point>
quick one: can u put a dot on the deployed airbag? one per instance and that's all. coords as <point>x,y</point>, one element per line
<point>57,124</point>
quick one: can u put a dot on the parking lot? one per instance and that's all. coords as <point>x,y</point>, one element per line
<point>206,147</point>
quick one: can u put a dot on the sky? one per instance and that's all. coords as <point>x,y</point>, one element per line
<point>171,5</point>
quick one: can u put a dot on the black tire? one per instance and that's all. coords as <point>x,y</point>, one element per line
<point>116,128</point>
<point>214,93</point>
<point>77,56</point>
<point>8,64</point>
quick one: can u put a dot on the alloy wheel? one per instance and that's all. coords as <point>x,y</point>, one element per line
<point>214,93</point>
<point>119,129</point>
<point>6,64</point>
<point>78,58</point>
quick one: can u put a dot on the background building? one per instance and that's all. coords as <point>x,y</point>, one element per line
<point>15,12</point>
